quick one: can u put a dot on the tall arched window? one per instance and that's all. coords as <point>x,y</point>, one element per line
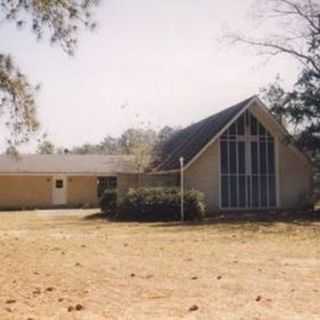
<point>248,175</point>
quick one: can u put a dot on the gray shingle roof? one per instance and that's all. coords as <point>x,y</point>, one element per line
<point>189,141</point>
<point>67,163</point>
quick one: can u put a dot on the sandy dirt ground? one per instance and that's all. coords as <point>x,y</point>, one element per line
<point>62,265</point>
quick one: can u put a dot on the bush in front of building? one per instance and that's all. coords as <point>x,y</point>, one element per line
<point>157,204</point>
<point>108,202</point>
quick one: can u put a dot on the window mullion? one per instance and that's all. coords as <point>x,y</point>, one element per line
<point>259,172</point>
<point>267,171</point>
<point>237,172</point>
<point>229,175</point>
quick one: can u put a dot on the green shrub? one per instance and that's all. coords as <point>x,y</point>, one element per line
<point>108,202</point>
<point>159,204</point>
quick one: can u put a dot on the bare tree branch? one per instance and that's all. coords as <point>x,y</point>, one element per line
<point>281,49</point>
<point>299,35</point>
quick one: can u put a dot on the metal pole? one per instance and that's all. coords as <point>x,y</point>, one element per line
<point>181,189</point>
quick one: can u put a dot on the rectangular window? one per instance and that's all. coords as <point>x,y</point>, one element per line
<point>242,157</point>
<point>247,119</point>
<point>233,191</point>
<point>242,191</point>
<point>255,192</point>
<point>233,157</point>
<point>224,157</point>
<point>249,192</point>
<point>263,190</point>
<point>253,129</point>
<point>263,159</point>
<point>262,131</point>
<point>59,184</point>
<point>225,191</point>
<point>272,191</point>
<point>271,158</point>
<point>233,129</point>
<point>254,157</point>
<point>240,125</point>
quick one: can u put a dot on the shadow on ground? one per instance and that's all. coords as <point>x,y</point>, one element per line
<point>252,220</point>
<point>303,218</point>
<point>96,216</point>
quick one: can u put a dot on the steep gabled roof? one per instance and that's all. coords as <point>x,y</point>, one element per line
<point>66,164</point>
<point>188,142</point>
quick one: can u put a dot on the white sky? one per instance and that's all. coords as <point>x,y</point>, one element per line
<point>162,59</point>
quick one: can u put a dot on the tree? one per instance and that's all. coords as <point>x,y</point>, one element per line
<point>60,21</point>
<point>86,148</point>
<point>12,152</point>
<point>140,144</point>
<point>142,158</point>
<point>46,147</point>
<point>297,25</point>
<point>159,153</point>
<point>133,137</point>
<point>110,145</point>
<point>17,104</point>
<point>298,36</point>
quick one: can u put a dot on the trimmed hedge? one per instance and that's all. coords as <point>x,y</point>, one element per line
<point>156,204</point>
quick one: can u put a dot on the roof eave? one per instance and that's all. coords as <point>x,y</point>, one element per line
<point>57,173</point>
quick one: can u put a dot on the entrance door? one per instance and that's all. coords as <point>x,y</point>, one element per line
<point>59,190</point>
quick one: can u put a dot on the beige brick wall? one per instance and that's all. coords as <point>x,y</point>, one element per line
<point>203,175</point>
<point>36,191</point>
<point>82,191</point>
<point>295,178</point>
<point>25,191</point>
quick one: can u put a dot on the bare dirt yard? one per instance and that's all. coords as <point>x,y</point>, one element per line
<point>63,265</point>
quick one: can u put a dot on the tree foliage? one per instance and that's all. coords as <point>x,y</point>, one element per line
<point>58,20</point>
<point>17,103</point>
<point>140,144</point>
<point>46,147</point>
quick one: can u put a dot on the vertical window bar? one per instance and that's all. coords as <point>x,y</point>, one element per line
<point>237,173</point>
<point>229,180</point>
<point>267,172</point>
<point>258,173</point>
<point>248,159</point>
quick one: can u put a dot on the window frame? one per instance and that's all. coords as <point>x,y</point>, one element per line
<point>59,184</point>
<point>272,198</point>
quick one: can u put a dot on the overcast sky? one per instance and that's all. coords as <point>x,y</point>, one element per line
<point>161,62</point>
